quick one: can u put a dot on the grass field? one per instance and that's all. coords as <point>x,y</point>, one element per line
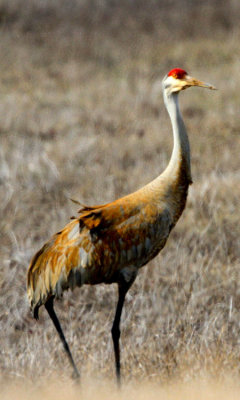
<point>82,116</point>
<point>196,390</point>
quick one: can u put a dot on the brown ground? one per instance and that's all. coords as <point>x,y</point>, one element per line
<point>82,116</point>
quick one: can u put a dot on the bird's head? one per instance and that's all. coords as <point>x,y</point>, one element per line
<point>178,79</point>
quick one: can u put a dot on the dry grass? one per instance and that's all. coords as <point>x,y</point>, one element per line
<point>81,115</point>
<point>55,390</point>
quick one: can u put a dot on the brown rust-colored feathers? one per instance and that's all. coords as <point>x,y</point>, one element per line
<point>104,216</point>
<point>94,247</point>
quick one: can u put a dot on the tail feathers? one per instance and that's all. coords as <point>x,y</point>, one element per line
<point>47,276</point>
<point>56,267</point>
<point>44,284</point>
<point>50,277</point>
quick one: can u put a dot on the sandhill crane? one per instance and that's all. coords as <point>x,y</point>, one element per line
<point>110,243</point>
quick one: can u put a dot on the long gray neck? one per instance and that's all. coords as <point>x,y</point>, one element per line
<point>180,158</point>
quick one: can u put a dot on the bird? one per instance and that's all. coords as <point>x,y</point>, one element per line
<point>109,243</point>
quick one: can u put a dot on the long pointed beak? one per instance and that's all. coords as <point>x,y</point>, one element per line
<point>195,82</point>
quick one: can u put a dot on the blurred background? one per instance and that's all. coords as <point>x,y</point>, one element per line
<point>82,116</point>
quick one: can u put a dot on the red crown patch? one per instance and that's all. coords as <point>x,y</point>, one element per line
<point>177,73</point>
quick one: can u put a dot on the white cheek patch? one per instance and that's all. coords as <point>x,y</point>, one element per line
<point>169,82</point>
<point>172,80</point>
<point>172,84</point>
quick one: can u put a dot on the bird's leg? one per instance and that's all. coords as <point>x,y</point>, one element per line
<point>122,291</point>
<point>54,318</point>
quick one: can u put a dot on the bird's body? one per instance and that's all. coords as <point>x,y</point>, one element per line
<point>105,241</point>
<point>110,243</point>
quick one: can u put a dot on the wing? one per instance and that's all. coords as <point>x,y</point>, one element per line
<point>71,254</point>
<point>74,249</point>
<point>94,247</point>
